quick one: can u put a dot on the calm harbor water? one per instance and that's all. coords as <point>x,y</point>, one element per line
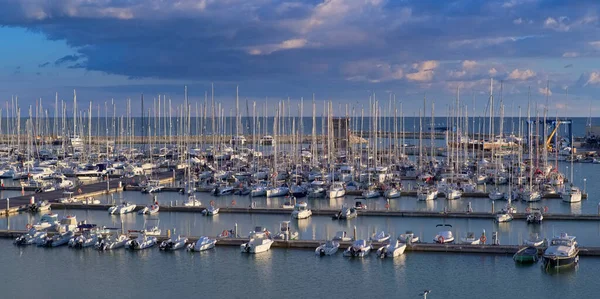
<point>279,273</point>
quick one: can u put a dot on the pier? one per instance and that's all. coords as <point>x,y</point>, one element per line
<point>16,204</point>
<point>415,247</point>
<point>331,212</point>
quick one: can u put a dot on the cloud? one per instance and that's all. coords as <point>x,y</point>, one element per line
<point>595,44</point>
<point>570,54</point>
<point>45,64</point>
<point>492,72</point>
<point>593,79</point>
<point>557,24</point>
<point>296,43</point>
<point>67,59</point>
<point>425,71</point>
<point>568,66</point>
<point>518,21</point>
<point>523,75</point>
<point>545,91</point>
<point>469,64</point>
<point>373,71</point>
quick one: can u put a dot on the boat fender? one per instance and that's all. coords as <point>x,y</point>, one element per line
<point>233,203</point>
<point>483,239</point>
<point>528,210</point>
<point>212,202</point>
<point>79,191</point>
<point>387,206</point>
<point>546,209</point>
<point>28,226</point>
<point>440,239</point>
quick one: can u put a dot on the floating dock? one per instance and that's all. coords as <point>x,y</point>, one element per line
<point>415,247</point>
<point>331,212</point>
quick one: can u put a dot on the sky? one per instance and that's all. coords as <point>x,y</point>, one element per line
<point>342,51</point>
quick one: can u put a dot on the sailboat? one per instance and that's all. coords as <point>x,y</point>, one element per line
<point>572,195</point>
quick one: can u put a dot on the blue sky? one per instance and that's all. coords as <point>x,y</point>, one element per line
<point>340,50</point>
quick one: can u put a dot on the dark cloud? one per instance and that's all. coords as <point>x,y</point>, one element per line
<point>66,59</point>
<point>45,64</point>
<point>308,44</point>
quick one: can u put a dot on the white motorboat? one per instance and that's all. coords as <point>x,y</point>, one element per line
<point>496,195</point>
<point>192,201</point>
<point>142,241</point>
<point>534,241</point>
<point>452,193</point>
<point>336,190</point>
<point>329,248</point>
<point>535,216</point>
<point>151,227</point>
<point>531,196</point>
<point>31,237</point>
<point>573,195</point>
<point>444,236</point>
<point>562,251</point>
<point>113,241</point>
<point>57,240</point>
<point>67,223</point>
<point>346,213</point>
<point>40,206</point>
<point>342,236</point>
<point>150,210</point>
<point>392,193</point>
<point>301,211</point>
<point>259,242</point>
<point>211,210</point>
<point>316,192</point>
<point>259,190</point>
<point>204,243</point>
<point>380,237</point>
<point>394,249</point>
<point>287,205</point>
<point>408,237</point>
<point>86,239</point>
<point>267,140</point>
<point>360,248</point>
<point>470,239</point>
<point>278,191</point>
<point>153,186</point>
<point>425,194</point>
<point>223,190</point>
<point>123,208</point>
<point>174,243</point>
<point>47,221</point>
<point>503,216</point>
<point>371,193</point>
<point>285,233</point>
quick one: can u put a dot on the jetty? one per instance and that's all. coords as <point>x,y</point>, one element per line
<point>312,244</point>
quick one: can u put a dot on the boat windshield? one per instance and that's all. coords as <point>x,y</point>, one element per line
<point>561,242</point>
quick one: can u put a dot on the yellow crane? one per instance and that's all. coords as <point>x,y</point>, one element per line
<point>549,139</point>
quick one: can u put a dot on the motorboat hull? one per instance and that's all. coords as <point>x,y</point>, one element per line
<point>389,251</point>
<point>560,262</point>
<point>252,248</point>
<point>526,255</point>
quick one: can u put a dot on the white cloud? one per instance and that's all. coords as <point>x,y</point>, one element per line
<point>545,91</point>
<point>372,71</point>
<point>289,44</point>
<point>492,72</point>
<point>425,71</point>
<point>523,75</point>
<point>557,24</point>
<point>595,44</point>
<point>518,21</point>
<point>469,64</point>
<point>593,79</point>
<point>570,54</point>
